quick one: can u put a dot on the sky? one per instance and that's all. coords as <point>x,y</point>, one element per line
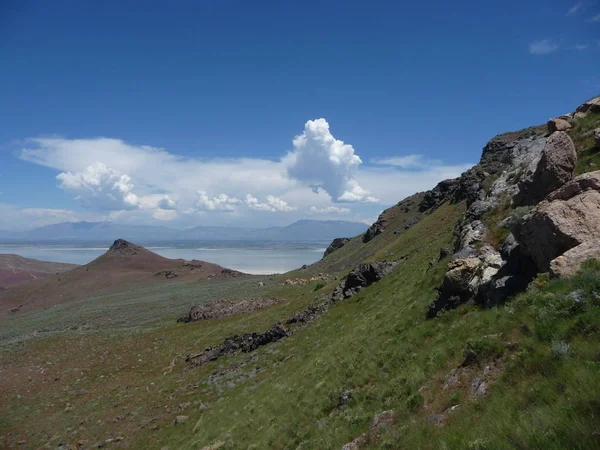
<point>261,113</point>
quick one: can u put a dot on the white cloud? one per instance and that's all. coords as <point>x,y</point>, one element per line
<point>100,186</point>
<point>221,202</point>
<point>596,18</point>
<point>580,47</point>
<point>577,7</point>
<point>323,162</point>
<point>165,214</point>
<point>412,161</point>
<point>273,204</point>
<point>329,210</point>
<point>158,174</point>
<point>542,47</point>
<point>167,203</point>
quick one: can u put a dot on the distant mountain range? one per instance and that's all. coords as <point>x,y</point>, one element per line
<point>300,231</point>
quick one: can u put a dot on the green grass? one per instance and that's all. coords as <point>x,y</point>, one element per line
<point>587,152</point>
<point>542,350</point>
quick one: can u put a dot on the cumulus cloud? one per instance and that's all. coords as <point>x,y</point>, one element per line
<point>100,186</point>
<point>221,202</point>
<point>323,162</point>
<point>273,204</point>
<point>167,203</point>
<point>542,47</point>
<point>329,210</point>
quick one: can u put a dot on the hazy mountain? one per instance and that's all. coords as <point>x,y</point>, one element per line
<point>302,230</point>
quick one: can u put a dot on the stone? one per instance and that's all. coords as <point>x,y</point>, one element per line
<point>357,443</point>
<point>479,387</point>
<point>558,125</point>
<point>336,244</point>
<point>459,275</point>
<point>361,277</point>
<point>180,419</point>
<point>567,264</point>
<point>441,193</point>
<point>380,422</point>
<point>597,137</point>
<point>551,170</point>
<point>569,217</point>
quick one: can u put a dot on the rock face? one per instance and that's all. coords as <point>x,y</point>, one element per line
<point>336,244</point>
<point>438,195</point>
<point>376,229</point>
<point>554,168</point>
<point>558,125</point>
<point>568,217</point>
<point>361,277</point>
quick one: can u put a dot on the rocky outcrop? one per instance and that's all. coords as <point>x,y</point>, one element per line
<point>225,308</point>
<point>336,244</point>
<point>376,229</point>
<point>361,277</point>
<point>558,124</point>
<point>597,137</point>
<point>554,168</point>
<point>567,264</point>
<point>568,217</point>
<point>592,105</point>
<point>438,195</point>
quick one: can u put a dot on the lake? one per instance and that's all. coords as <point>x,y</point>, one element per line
<point>253,258</point>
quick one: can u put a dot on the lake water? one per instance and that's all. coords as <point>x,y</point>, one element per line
<point>256,259</point>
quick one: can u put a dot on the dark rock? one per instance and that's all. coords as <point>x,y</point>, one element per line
<point>376,229</point>
<point>336,244</point>
<point>225,308</point>
<point>438,195</point>
<point>309,314</point>
<point>243,343</point>
<point>362,276</point>
<point>444,253</point>
<point>345,397</point>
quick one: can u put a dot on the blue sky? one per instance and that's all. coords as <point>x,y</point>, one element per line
<point>189,112</point>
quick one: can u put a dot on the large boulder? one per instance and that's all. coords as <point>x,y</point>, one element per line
<point>441,193</point>
<point>567,218</point>
<point>558,125</point>
<point>360,277</point>
<point>567,264</point>
<point>336,244</point>
<point>554,167</point>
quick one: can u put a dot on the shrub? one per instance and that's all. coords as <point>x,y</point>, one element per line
<point>319,286</point>
<point>560,350</point>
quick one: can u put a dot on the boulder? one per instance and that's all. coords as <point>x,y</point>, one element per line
<point>380,422</point>
<point>567,264</point>
<point>459,277</point>
<point>357,444</point>
<point>336,244</point>
<point>444,253</point>
<point>566,219</point>
<point>558,125</point>
<point>361,277</point>
<point>554,167</point>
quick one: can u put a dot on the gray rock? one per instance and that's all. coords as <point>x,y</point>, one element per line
<point>180,419</point>
<point>597,137</point>
<point>554,167</point>
<point>440,194</point>
<point>357,444</point>
<point>444,253</point>
<point>375,230</point>
<point>380,422</point>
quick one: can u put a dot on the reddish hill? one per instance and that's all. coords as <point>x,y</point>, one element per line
<point>16,270</point>
<point>122,264</point>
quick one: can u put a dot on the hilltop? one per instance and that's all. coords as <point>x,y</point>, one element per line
<point>465,317</point>
<point>123,264</point>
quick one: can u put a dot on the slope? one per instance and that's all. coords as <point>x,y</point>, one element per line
<point>124,263</point>
<point>15,270</point>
